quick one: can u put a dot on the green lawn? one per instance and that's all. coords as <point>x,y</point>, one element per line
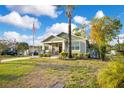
<point>45,72</point>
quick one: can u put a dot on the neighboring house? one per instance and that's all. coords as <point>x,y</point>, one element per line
<point>57,44</point>
<point>118,39</point>
<point>35,48</point>
<point>121,38</point>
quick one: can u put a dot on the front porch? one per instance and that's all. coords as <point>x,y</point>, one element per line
<point>54,47</point>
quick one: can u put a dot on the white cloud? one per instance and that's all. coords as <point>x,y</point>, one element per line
<point>81,20</point>
<point>53,30</point>
<point>12,35</point>
<point>14,18</point>
<point>37,10</point>
<point>59,27</point>
<point>56,29</point>
<point>99,14</point>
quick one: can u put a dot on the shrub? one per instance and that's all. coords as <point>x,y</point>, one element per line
<point>118,57</point>
<point>63,55</point>
<point>41,55</point>
<point>48,54</point>
<point>112,76</point>
<point>75,56</point>
<point>86,55</point>
<point>81,55</point>
<point>45,55</point>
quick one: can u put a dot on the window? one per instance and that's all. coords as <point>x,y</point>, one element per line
<point>72,47</point>
<point>75,45</point>
<point>46,48</point>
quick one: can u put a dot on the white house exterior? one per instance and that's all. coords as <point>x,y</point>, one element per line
<point>59,43</point>
<point>118,39</point>
<point>121,38</point>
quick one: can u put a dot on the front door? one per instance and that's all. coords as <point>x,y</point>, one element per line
<point>60,48</point>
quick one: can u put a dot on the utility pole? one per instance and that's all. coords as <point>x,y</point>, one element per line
<point>33,31</point>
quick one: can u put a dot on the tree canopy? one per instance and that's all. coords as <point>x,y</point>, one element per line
<point>21,46</point>
<point>103,30</point>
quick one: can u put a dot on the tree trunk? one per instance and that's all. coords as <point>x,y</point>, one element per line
<point>98,51</point>
<point>69,29</point>
<point>102,52</point>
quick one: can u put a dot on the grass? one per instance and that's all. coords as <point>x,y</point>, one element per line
<point>11,72</point>
<point>45,72</point>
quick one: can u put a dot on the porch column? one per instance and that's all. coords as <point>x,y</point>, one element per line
<point>43,48</point>
<point>63,46</point>
<point>50,47</point>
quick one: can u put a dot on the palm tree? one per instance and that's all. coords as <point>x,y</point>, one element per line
<point>69,9</point>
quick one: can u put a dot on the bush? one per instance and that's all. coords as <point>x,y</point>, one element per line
<point>81,55</point>
<point>41,55</point>
<point>76,56</point>
<point>118,57</point>
<point>45,55</point>
<point>48,54</point>
<point>86,55</point>
<point>112,76</point>
<point>63,55</point>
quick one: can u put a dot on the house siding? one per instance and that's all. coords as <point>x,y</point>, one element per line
<point>54,39</point>
<point>83,47</point>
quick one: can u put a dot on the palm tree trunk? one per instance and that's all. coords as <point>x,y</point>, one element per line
<point>69,29</point>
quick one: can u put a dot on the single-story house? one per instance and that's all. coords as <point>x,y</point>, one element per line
<point>57,44</point>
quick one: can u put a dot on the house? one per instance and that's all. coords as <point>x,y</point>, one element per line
<point>57,44</point>
<point>37,49</point>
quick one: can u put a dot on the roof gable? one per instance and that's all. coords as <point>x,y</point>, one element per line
<point>65,36</point>
<point>53,38</point>
<point>48,38</point>
<point>60,37</point>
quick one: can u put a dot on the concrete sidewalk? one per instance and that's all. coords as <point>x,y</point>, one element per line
<point>13,59</point>
<point>23,58</point>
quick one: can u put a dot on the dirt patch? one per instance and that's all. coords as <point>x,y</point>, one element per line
<point>42,79</point>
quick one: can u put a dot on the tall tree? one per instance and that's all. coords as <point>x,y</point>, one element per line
<point>22,46</point>
<point>5,44</point>
<point>103,30</point>
<point>69,9</point>
<point>80,31</point>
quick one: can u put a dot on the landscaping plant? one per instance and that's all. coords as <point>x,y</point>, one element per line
<point>104,30</point>
<point>63,55</point>
<point>112,76</point>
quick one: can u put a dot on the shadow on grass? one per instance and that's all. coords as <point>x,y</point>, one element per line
<point>54,66</point>
<point>20,63</point>
<point>8,77</point>
<point>63,67</point>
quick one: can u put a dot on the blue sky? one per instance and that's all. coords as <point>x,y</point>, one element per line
<point>48,19</point>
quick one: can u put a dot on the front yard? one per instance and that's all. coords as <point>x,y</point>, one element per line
<point>45,72</point>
